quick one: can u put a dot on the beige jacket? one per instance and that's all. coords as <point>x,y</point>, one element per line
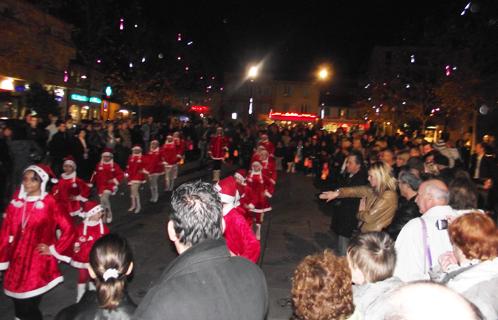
<point>379,209</point>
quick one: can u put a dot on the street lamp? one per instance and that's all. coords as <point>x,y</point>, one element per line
<point>252,73</point>
<point>323,75</point>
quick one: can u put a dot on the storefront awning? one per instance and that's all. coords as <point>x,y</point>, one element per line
<point>292,116</point>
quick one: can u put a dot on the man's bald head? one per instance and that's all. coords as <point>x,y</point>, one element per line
<point>432,193</point>
<point>417,301</point>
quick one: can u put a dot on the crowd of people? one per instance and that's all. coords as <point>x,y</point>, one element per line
<point>411,219</point>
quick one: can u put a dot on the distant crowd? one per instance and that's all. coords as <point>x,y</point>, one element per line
<point>413,220</point>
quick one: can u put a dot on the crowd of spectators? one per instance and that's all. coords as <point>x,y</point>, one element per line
<point>413,219</point>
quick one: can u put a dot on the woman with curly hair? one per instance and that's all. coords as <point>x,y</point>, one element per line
<point>378,202</point>
<point>472,267</point>
<point>321,289</point>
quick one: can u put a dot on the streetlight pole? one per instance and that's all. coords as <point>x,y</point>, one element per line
<point>251,75</point>
<point>323,75</point>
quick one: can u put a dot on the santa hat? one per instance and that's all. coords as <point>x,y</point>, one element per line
<point>45,173</point>
<point>69,160</point>
<point>240,174</point>
<point>227,190</point>
<point>136,147</point>
<point>91,208</point>
<point>107,153</point>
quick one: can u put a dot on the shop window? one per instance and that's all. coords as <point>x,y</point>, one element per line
<point>74,112</point>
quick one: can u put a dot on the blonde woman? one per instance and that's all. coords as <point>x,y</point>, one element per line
<point>378,201</point>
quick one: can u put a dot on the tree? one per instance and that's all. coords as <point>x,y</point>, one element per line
<point>41,101</point>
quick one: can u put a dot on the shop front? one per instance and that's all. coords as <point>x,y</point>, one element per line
<point>291,118</point>
<point>83,107</point>
<point>11,98</point>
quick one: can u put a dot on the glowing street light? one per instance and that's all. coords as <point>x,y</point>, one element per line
<point>323,74</point>
<point>253,72</point>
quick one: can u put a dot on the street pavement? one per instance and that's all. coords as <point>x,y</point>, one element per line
<point>295,228</point>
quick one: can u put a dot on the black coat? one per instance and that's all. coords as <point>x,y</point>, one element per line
<point>88,309</point>
<point>407,210</point>
<point>205,282</point>
<point>487,168</point>
<point>344,220</point>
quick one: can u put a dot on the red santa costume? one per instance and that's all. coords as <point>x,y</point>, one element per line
<point>171,156</point>
<point>269,166</point>
<point>155,166</point>
<point>267,144</point>
<point>70,191</point>
<point>107,177</point>
<point>239,237</point>
<point>87,232</point>
<point>242,201</point>
<point>29,248</point>
<point>218,146</point>
<point>258,190</point>
<point>136,172</point>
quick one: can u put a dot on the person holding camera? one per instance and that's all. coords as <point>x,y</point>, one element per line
<point>422,240</point>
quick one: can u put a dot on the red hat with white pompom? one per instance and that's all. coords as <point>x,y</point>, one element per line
<point>45,173</point>
<point>107,153</point>
<point>227,190</point>
<point>69,160</point>
<point>240,174</point>
<point>91,208</point>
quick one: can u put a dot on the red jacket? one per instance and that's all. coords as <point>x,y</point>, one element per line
<point>69,192</point>
<point>239,237</point>
<point>218,147</point>
<point>107,176</point>
<point>25,226</point>
<point>136,170</point>
<point>154,162</point>
<point>258,190</point>
<point>268,145</point>
<point>86,235</point>
<point>170,153</point>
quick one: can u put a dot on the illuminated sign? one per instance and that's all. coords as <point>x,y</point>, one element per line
<point>108,91</point>
<point>7,84</point>
<point>200,109</point>
<point>292,116</point>
<point>82,98</point>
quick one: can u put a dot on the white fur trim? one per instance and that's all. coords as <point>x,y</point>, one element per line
<point>36,292</point>
<point>239,176</point>
<point>81,198</point>
<point>11,239</point>
<point>98,208</point>
<point>268,194</point>
<point>17,204</point>
<point>58,256</point>
<point>223,158</point>
<point>42,173</point>
<point>108,154</point>
<point>79,265</point>
<point>75,213</point>
<point>4,265</point>
<point>225,198</point>
<point>71,163</point>
<point>68,176</point>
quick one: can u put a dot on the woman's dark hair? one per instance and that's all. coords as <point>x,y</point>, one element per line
<point>463,194</point>
<point>110,259</point>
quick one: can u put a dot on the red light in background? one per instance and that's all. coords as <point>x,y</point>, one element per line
<point>199,109</point>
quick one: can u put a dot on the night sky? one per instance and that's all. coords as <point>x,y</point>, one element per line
<point>295,37</point>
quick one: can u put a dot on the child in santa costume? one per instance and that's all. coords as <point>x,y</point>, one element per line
<point>136,172</point>
<point>171,156</point>
<point>90,230</point>
<point>243,200</point>
<point>258,190</point>
<point>218,147</point>
<point>70,191</point>
<point>179,143</point>
<point>269,166</point>
<point>267,144</point>
<point>155,166</point>
<point>239,237</point>
<point>29,248</point>
<point>107,177</point>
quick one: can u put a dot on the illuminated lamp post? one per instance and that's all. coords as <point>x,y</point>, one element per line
<point>323,75</point>
<point>252,74</point>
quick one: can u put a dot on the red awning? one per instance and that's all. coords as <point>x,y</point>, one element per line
<point>292,116</point>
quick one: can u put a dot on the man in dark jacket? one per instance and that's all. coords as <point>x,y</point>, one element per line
<point>204,281</point>
<point>344,220</point>
<point>59,147</point>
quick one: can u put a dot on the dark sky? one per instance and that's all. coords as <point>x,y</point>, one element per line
<point>295,36</point>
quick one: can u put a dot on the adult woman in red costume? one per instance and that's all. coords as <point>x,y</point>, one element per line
<point>29,248</point>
